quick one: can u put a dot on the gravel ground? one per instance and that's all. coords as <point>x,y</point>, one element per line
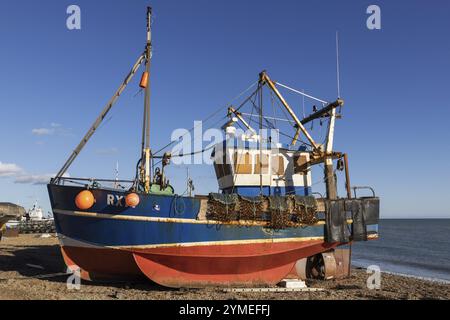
<point>31,267</point>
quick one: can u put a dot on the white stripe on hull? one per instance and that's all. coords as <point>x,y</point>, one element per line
<point>70,242</point>
<point>172,220</point>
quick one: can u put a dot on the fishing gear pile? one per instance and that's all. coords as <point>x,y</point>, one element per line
<point>279,211</point>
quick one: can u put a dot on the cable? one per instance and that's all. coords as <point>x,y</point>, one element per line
<point>192,153</point>
<point>209,117</point>
<point>301,93</point>
<point>288,136</point>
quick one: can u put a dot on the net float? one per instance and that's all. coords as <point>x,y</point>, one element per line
<point>84,200</point>
<point>132,200</point>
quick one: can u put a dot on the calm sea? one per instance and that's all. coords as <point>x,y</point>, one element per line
<point>415,247</point>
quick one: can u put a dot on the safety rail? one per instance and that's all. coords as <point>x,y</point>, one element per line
<point>363,188</point>
<point>92,182</point>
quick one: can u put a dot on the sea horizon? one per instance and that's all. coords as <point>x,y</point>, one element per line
<point>408,247</point>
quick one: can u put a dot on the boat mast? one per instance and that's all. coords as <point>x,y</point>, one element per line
<point>146,153</point>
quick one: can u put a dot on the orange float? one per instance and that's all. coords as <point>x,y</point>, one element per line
<point>132,200</point>
<point>144,80</point>
<point>84,200</point>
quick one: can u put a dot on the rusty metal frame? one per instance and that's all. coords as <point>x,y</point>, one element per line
<point>238,115</point>
<point>347,177</point>
<point>264,79</point>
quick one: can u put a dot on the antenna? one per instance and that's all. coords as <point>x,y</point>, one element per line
<point>303,103</point>
<point>337,65</point>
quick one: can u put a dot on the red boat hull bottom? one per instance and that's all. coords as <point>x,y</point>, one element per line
<point>260,264</point>
<point>101,264</point>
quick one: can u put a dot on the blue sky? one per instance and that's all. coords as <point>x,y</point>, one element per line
<point>394,81</point>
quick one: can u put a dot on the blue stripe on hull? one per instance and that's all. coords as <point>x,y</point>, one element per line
<point>63,197</point>
<point>111,232</point>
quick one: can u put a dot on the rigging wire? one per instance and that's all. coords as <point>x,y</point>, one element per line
<point>302,93</point>
<point>273,108</point>
<point>271,118</point>
<point>251,98</point>
<point>270,125</point>
<point>193,152</point>
<point>188,154</point>
<point>251,116</point>
<point>289,136</point>
<point>209,117</point>
<point>113,113</point>
<point>138,92</point>
<point>303,104</point>
<point>257,109</point>
<point>236,157</point>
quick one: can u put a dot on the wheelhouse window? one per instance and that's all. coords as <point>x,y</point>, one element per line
<point>264,164</point>
<point>242,163</point>
<point>278,165</point>
<point>224,168</point>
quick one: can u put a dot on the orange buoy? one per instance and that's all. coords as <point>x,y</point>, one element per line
<point>132,200</point>
<point>144,80</point>
<point>84,200</point>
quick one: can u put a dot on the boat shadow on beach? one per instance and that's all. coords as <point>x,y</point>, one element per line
<point>44,262</point>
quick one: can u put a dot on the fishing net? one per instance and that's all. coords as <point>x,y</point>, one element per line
<point>280,217</point>
<point>305,210</point>
<point>251,208</point>
<point>222,207</point>
<point>279,211</point>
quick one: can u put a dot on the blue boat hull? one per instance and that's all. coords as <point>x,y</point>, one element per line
<point>164,239</point>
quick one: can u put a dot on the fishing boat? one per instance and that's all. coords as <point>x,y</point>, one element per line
<point>35,213</point>
<point>8,212</point>
<point>254,231</point>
